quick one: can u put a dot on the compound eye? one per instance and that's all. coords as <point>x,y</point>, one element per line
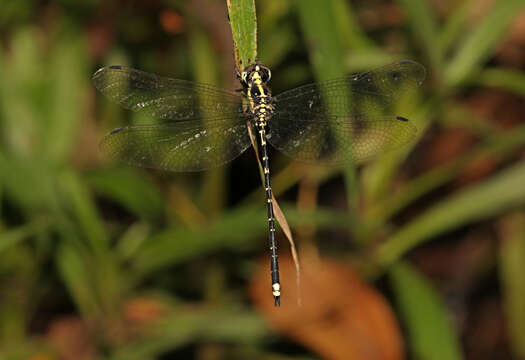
<point>247,75</point>
<point>265,74</point>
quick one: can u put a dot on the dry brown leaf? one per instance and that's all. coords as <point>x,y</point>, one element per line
<point>340,318</point>
<point>172,22</point>
<point>40,357</point>
<point>72,338</point>
<point>143,311</point>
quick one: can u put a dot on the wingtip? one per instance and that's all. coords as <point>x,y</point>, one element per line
<point>97,73</point>
<point>100,71</point>
<point>419,71</point>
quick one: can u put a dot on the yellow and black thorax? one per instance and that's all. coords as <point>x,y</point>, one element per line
<point>258,95</point>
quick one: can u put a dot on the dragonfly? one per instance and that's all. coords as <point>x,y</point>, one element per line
<point>197,126</point>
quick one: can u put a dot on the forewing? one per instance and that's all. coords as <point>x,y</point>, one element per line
<point>178,146</point>
<point>334,140</point>
<point>165,98</point>
<point>366,95</point>
<point>351,118</point>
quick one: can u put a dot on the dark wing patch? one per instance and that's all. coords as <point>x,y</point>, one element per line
<point>350,118</point>
<point>371,93</point>
<point>335,140</point>
<point>165,98</point>
<point>178,146</point>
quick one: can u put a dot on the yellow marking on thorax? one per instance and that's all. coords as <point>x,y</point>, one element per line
<point>259,107</point>
<point>261,90</point>
<point>250,98</point>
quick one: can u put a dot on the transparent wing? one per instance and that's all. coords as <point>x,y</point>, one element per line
<point>334,140</point>
<point>371,93</point>
<point>165,98</point>
<point>352,118</point>
<point>179,146</point>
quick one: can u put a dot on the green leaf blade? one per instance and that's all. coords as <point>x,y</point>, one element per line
<point>431,334</point>
<point>512,264</point>
<point>497,194</point>
<point>482,41</point>
<point>244,31</point>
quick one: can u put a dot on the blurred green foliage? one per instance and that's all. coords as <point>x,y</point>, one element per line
<point>84,238</point>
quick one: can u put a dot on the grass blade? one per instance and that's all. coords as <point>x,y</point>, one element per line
<point>424,26</point>
<point>512,260</point>
<point>244,31</point>
<point>183,326</point>
<point>75,274</point>
<point>455,24</point>
<point>431,334</point>
<point>129,188</point>
<point>489,198</point>
<point>510,80</point>
<point>326,56</point>
<point>67,85</point>
<point>482,41</point>
<point>80,204</point>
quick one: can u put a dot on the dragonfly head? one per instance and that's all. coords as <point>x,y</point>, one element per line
<point>256,73</point>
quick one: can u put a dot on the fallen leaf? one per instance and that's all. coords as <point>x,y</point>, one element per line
<point>73,339</point>
<point>341,317</point>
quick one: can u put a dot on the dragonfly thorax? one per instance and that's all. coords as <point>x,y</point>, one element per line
<point>258,93</point>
